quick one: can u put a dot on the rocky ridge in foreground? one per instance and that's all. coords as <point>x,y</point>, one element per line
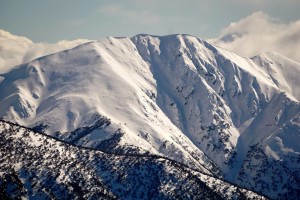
<point>34,165</point>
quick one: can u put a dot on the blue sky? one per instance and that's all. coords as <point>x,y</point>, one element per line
<point>50,21</point>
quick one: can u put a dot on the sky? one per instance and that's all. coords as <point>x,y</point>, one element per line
<point>51,21</point>
<point>33,28</point>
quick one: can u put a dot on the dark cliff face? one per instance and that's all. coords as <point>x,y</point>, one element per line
<point>36,166</point>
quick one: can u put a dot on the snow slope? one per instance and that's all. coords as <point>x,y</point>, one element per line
<point>175,95</point>
<point>66,91</point>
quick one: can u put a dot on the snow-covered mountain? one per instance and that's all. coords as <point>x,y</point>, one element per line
<point>176,96</point>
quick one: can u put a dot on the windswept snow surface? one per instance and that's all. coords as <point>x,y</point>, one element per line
<point>174,95</point>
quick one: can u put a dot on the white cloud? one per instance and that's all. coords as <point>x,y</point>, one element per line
<point>40,49</point>
<point>260,33</point>
<point>12,49</point>
<point>137,17</point>
<point>15,50</point>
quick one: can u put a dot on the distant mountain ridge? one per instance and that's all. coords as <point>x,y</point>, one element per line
<point>176,96</point>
